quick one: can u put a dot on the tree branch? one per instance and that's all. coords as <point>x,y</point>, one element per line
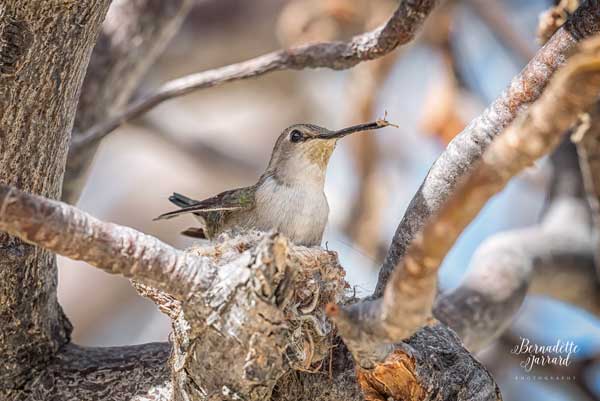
<point>539,259</point>
<point>263,300</point>
<point>494,288</point>
<point>409,295</point>
<point>255,295</point>
<point>400,29</point>
<point>137,372</point>
<point>68,231</point>
<point>134,34</point>
<point>431,364</point>
<point>467,148</point>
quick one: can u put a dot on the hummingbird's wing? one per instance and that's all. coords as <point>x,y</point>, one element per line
<point>235,199</point>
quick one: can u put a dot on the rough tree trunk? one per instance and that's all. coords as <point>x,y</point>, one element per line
<point>42,66</point>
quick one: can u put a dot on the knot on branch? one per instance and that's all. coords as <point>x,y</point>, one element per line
<point>15,41</point>
<point>555,17</point>
<point>432,364</point>
<point>262,316</point>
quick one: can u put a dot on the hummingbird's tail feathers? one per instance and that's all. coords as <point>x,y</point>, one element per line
<point>236,199</point>
<point>195,209</point>
<point>181,200</point>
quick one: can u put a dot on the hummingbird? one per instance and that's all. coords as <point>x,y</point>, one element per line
<point>288,197</point>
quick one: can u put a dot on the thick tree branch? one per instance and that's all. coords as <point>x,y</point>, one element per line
<point>134,34</point>
<point>409,295</point>
<point>132,373</point>
<point>431,364</point>
<point>400,29</point>
<point>467,148</point>
<point>262,297</point>
<point>68,231</point>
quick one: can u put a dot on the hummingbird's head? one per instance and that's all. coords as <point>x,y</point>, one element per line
<point>302,151</point>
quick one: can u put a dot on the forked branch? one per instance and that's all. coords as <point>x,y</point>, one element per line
<point>408,298</point>
<point>536,259</point>
<point>468,147</point>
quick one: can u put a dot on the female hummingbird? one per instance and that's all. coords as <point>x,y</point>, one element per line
<point>288,196</point>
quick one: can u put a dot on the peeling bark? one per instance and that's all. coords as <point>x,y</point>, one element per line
<point>431,364</point>
<point>39,88</point>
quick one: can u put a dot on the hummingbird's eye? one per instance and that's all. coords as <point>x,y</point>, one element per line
<point>295,136</point>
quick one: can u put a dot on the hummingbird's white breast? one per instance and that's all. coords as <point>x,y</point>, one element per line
<point>297,210</point>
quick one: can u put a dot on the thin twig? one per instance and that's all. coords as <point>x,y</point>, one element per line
<point>496,18</point>
<point>400,29</point>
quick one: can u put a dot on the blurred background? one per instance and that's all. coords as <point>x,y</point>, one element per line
<point>221,138</point>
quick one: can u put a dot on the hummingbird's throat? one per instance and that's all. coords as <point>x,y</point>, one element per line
<point>308,166</point>
<point>319,152</point>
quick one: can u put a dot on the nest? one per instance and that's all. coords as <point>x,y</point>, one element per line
<point>315,279</point>
<point>316,284</point>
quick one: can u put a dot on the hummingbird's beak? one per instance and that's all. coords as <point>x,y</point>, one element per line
<point>356,128</point>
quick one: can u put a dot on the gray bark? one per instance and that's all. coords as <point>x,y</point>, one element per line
<point>138,372</point>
